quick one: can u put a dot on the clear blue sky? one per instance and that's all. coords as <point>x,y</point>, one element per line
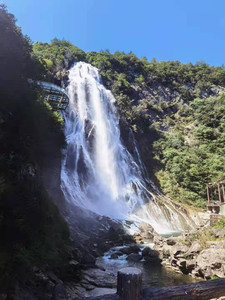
<point>185,30</point>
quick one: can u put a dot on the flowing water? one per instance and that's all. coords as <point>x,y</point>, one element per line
<point>154,274</point>
<point>98,172</point>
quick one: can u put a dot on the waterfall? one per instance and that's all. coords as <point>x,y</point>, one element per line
<point>98,173</point>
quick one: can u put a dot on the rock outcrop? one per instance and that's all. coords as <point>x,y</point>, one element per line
<point>191,255</point>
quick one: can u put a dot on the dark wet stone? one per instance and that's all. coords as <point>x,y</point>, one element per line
<point>134,257</point>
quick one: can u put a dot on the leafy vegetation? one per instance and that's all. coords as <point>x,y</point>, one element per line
<point>220,224</point>
<point>192,152</point>
<point>31,228</point>
<point>56,56</point>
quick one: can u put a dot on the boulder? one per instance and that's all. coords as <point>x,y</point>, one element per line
<point>220,233</point>
<point>146,251</point>
<point>179,250</point>
<point>115,231</point>
<point>190,265</point>
<point>187,238</point>
<point>134,257</point>
<point>158,240</point>
<point>206,273</point>
<point>182,263</point>
<point>59,292</point>
<point>173,262</point>
<point>99,278</point>
<point>194,249</point>
<point>147,235</point>
<point>117,234</point>
<point>138,238</point>
<point>119,253</point>
<point>114,256</point>
<point>172,241</point>
<point>130,249</point>
<point>149,252</point>
<point>216,244</point>
<point>210,261</point>
<point>145,227</point>
<point>151,256</point>
<point>166,251</point>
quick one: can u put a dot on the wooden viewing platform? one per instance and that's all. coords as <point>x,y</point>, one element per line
<point>215,196</point>
<point>55,95</point>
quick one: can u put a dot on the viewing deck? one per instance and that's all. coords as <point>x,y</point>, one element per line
<point>216,197</point>
<point>54,95</point>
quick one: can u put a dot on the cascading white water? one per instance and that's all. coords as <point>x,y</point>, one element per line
<point>98,173</point>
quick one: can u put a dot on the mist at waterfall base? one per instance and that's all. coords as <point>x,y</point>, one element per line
<point>98,173</point>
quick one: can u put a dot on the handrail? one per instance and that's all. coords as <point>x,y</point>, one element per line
<point>51,85</point>
<point>54,94</point>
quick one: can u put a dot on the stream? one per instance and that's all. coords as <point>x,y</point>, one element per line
<point>154,274</point>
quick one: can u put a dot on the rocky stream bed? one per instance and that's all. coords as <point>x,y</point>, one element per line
<point>164,261</point>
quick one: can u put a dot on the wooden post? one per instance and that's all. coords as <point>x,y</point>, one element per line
<point>207,187</point>
<point>210,192</point>
<point>129,283</point>
<point>218,184</point>
<point>223,192</point>
<point>60,102</point>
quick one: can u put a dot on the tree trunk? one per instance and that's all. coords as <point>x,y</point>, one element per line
<point>202,291</point>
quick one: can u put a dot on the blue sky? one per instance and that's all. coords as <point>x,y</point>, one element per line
<point>184,30</point>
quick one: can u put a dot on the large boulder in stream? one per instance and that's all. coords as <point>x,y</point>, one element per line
<point>150,255</point>
<point>114,256</point>
<point>146,251</point>
<point>134,257</point>
<point>130,249</point>
<point>147,231</point>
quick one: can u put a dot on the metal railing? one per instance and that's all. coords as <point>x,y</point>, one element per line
<point>56,96</point>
